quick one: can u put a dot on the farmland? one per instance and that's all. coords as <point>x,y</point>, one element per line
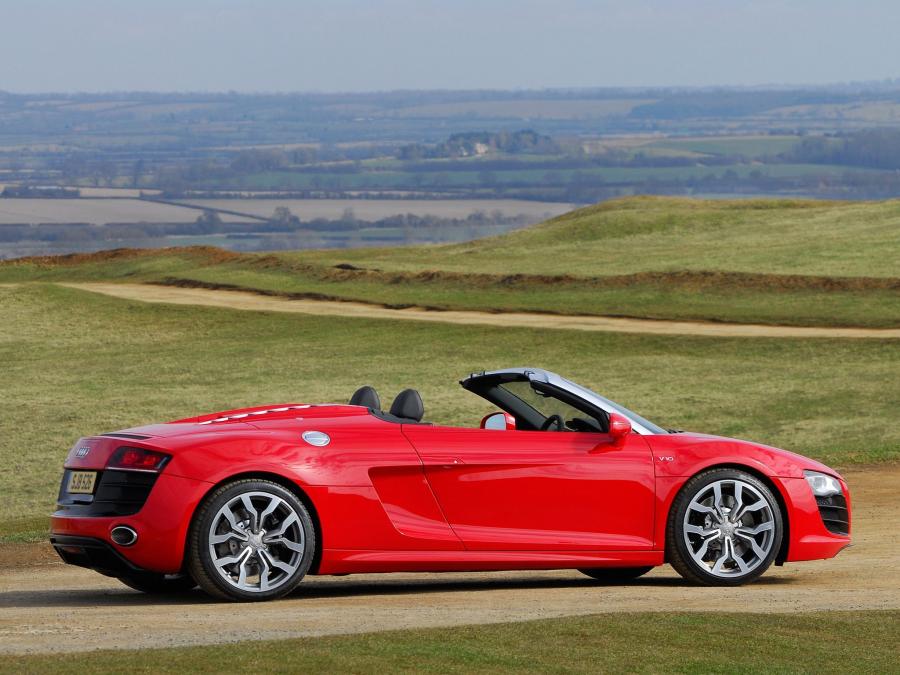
<point>35,226</point>
<point>96,212</point>
<point>373,209</point>
<point>565,147</point>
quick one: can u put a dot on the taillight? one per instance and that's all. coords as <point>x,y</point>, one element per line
<point>137,459</point>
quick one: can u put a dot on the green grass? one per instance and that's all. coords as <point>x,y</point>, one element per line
<point>78,363</point>
<point>834,642</point>
<point>656,234</point>
<point>741,257</point>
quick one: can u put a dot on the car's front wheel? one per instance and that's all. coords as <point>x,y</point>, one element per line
<point>251,540</point>
<point>724,529</point>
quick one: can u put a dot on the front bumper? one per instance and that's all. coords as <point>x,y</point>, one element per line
<point>809,537</point>
<point>162,527</point>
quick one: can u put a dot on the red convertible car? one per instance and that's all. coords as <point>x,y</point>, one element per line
<point>245,503</point>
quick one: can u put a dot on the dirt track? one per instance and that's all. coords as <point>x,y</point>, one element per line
<point>47,606</point>
<point>250,301</point>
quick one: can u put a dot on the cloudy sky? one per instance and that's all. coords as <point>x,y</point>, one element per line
<point>364,45</point>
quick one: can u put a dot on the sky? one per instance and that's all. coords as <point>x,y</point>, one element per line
<point>377,45</point>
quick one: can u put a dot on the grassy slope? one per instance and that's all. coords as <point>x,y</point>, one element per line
<point>78,363</point>
<point>836,642</point>
<point>666,234</point>
<point>683,259</point>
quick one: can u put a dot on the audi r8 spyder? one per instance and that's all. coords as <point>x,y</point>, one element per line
<point>245,503</point>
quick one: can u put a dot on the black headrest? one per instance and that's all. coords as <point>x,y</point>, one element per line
<point>408,405</point>
<point>366,396</point>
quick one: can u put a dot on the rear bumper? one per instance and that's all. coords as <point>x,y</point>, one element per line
<point>161,525</point>
<point>95,554</point>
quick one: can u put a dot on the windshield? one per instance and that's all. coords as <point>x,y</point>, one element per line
<point>547,405</point>
<point>647,424</point>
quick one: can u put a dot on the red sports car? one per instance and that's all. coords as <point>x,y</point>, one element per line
<point>245,503</point>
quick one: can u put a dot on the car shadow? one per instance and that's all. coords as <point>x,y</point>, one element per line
<point>348,587</point>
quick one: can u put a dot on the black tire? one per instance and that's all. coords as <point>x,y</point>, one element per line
<point>159,584</point>
<point>615,575</point>
<point>222,585</point>
<point>679,553</point>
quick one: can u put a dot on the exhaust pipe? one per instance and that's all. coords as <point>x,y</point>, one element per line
<point>123,535</point>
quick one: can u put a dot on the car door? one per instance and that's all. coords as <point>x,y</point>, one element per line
<point>540,490</point>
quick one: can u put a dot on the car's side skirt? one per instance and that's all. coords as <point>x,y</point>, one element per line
<point>358,562</point>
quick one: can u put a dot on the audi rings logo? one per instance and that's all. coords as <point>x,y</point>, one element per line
<point>82,452</point>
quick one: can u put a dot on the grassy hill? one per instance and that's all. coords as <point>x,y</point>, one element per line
<point>661,234</point>
<point>777,262</point>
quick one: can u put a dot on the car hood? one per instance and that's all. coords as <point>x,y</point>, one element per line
<point>682,452</point>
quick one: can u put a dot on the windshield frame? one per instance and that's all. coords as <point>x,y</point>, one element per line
<point>479,382</point>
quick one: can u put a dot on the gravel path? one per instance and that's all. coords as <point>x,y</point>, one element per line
<point>251,301</point>
<point>46,606</point>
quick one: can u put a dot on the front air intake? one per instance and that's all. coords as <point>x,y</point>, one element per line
<point>834,513</point>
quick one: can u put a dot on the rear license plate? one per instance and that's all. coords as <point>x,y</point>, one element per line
<point>82,482</point>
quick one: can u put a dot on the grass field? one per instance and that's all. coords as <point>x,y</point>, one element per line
<point>79,363</point>
<point>746,146</point>
<point>836,642</point>
<point>792,263</point>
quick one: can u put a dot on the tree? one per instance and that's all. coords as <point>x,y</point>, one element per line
<point>137,171</point>
<point>208,222</point>
<point>284,219</point>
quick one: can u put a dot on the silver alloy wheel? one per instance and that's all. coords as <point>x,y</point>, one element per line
<point>256,541</point>
<point>729,528</point>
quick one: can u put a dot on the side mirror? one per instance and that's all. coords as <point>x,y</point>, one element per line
<point>619,426</point>
<point>500,421</point>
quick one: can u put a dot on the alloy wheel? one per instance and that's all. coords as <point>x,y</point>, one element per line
<point>256,541</point>
<point>729,528</point>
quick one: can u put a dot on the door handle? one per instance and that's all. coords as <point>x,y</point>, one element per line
<point>445,462</point>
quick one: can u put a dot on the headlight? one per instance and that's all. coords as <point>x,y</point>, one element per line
<point>822,484</point>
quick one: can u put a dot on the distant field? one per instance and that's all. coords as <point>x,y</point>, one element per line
<point>541,178</point>
<point>525,108</point>
<point>375,209</point>
<point>868,112</point>
<point>95,211</point>
<point>747,146</point>
<point>115,192</point>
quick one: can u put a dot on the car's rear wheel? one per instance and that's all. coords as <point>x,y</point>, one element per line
<point>251,540</point>
<point>724,529</point>
<point>159,584</point>
<point>615,575</point>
